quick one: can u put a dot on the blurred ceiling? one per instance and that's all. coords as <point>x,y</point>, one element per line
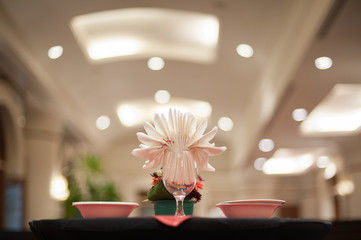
<point>286,35</point>
<point>338,38</point>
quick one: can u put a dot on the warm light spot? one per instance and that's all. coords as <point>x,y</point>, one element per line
<point>323,63</point>
<point>245,50</point>
<point>323,162</point>
<point>339,113</point>
<point>136,111</point>
<point>347,122</point>
<point>137,33</point>
<point>156,63</point>
<point>112,47</point>
<point>102,122</point>
<point>299,114</point>
<point>345,187</point>
<point>284,165</point>
<point>208,33</point>
<point>258,163</point>
<point>55,52</point>
<point>162,96</point>
<point>225,123</point>
<point>330,171</point>
<point>59,188</point>
<point>201,109</point>
<point>129,115</point>
<point>266,145</point>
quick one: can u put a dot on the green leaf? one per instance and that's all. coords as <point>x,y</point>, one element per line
<point>93,163</point>
<point>158,192</point>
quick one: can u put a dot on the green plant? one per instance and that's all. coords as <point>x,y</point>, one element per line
<point>87,182</point>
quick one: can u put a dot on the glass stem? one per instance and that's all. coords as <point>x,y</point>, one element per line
<point>179,206</point>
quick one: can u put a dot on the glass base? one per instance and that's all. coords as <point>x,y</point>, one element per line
<point>168,207</point>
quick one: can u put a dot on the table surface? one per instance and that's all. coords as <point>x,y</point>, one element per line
<point>193,228</point>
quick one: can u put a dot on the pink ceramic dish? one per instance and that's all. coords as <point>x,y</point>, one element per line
<point>273,201</point>
<point>253,208</point>
<point>105,209</point>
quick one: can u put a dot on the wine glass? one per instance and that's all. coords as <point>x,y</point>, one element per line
<point>179,176</point>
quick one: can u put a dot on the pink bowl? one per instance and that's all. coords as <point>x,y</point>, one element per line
<point>105,209</point>
<point>252,208</point>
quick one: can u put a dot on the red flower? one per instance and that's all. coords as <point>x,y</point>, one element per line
<point>155,181</point>
<point>199,185</point>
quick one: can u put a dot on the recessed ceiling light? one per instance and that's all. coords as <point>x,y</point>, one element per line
<point>266,145</point>
<point>156,63</point>
<point>323,63</point>
<point>299,114</point>
<point>162,96</point>
<point>102,122</point>
<point>323,162</point>
<point>225,123</point>
<point>330,171</point>
<point>137,33</point>
<point>339,113</point>
<point>258,163</point>
<point>245,50</point>
<point>55,52</point>
<point>345,187</point>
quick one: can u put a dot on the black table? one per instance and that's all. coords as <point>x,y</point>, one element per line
<point>194,228</point>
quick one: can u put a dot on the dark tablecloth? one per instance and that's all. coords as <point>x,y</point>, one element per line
<point>194,228</point>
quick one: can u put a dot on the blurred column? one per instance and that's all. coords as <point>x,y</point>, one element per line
<point>350,202</point>
<point>43,138</point>
<point>325,196</point>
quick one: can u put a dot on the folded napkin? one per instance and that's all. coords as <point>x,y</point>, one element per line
<point>172,221</point>
<point>178,131</point>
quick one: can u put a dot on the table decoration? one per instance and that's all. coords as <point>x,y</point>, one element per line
<point>180,147</point>
<point>164,202</point>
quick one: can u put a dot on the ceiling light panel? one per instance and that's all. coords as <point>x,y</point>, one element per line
<point>135,112</point>
<point>291,161</point>
<point>144,32</point>
<point>338,114</point>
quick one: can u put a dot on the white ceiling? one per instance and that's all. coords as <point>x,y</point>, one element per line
<point>338,38</point>
<point>286,36</point>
